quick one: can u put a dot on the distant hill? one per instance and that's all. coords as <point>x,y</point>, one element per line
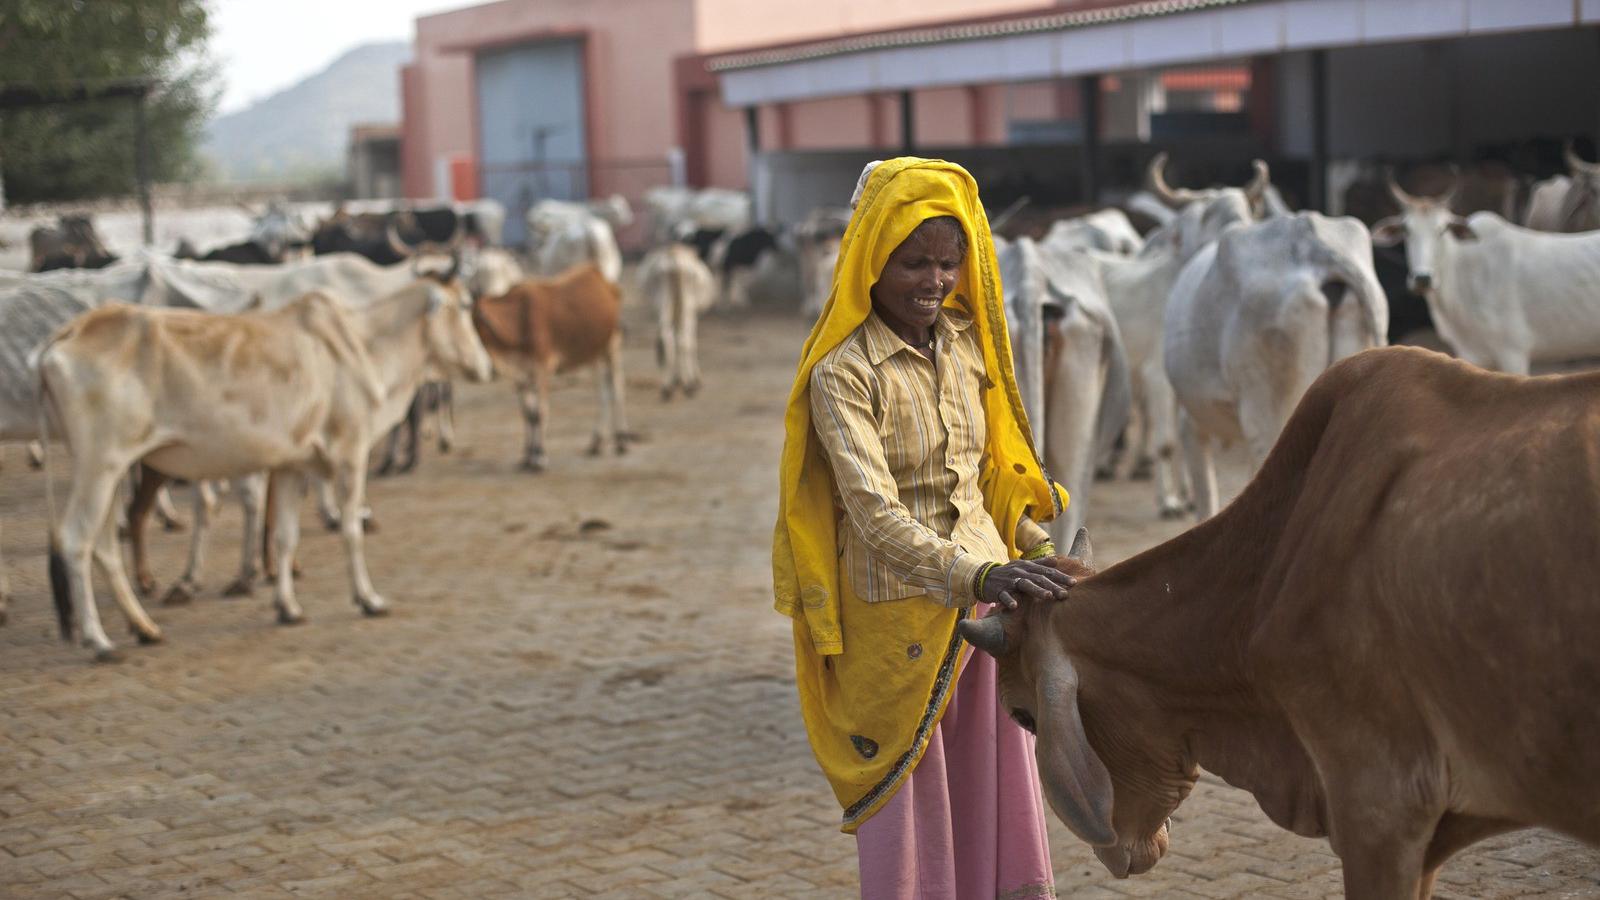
<point>305,128</point>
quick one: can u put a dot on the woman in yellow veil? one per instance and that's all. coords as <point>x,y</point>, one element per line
<point>910,493</point>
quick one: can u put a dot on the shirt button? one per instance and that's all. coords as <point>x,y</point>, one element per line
<point>914,651</point>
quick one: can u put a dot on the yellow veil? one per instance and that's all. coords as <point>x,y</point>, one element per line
<point>869,705</point>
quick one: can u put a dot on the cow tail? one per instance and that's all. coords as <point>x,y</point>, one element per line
<point>60,584</point>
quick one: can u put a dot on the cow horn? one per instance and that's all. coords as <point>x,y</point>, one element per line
<point>1257,187</point>
<point>1081,550</point>
<point>1157,179</point>
<point>1397,192</point>
<point>397,244</point>
<point>1576,164</point>
<point>986,634</point>
<point>1455,186</point>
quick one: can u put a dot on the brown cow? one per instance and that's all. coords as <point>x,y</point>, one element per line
<point>1388,638</point>
<point>542,326</point>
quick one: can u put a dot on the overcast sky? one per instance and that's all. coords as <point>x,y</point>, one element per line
<point>263,46</point>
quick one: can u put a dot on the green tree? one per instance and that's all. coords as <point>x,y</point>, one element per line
<point>81,150</point>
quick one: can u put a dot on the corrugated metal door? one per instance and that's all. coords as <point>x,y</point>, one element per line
<point>531,127</point>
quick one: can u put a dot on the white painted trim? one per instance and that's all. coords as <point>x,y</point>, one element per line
<point>1229,32</point>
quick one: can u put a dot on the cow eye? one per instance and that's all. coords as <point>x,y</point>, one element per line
<point>1021,717</point>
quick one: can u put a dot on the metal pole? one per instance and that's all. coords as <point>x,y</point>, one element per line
<point>1317,184</point>
<point>1089,171</point>
<point>908,125</point>
<point>142,168</point>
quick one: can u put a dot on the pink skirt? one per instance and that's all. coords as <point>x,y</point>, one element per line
<point>968,824</point>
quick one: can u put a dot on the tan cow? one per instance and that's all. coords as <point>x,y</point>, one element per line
<point>305,389</point>
<point>680,287</point>
<point>544,326</point>
<point>1388,638</point>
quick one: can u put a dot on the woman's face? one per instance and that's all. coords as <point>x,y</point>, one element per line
<point>920,273</point>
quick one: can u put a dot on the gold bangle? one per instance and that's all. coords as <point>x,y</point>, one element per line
<point>1041,551</point>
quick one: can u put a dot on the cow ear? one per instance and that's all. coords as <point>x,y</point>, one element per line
<point>1461,229</point>
<point>1076,781</point>
<point>1389,232</point>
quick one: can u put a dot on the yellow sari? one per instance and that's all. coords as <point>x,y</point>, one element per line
<point>868,709</point>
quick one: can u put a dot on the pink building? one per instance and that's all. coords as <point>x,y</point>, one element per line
<point>575,98</point>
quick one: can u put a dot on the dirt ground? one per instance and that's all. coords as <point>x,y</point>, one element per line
<point>582,691</point>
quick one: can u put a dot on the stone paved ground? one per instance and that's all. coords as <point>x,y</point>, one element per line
<point>582,692</point>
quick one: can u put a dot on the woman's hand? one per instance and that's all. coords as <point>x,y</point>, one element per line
<point>1007,585</point>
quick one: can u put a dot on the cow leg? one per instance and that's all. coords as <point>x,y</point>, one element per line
<point>1197,450</point>
<point>447,416</point>
<point>251,491</point>
<point>391,443</point>
<point>167,511</point>
<point>689,351</point>
<point>287,487</point>
<point>532,397</point>
<point>87,509</point>
<point>413,426</point>
<point>350,486</point>
<point>1072,406</point>
<point>184,590</point>
<point>108,558</point>
<point>667,349</point>
<point>614,412</point>
<point>1160,421</point>
<point>1453,834</point>
<point>35,455</point>
<point>328,509</point>
<point>145,489</point>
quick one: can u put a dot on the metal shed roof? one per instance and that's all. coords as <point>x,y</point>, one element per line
<point>1112,38</point>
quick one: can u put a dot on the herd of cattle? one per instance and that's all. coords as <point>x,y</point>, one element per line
<point>1305,642</point>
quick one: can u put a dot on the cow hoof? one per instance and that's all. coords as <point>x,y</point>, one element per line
<point>179,594</point>
<point>1169,513</point>
<point>107,655</point>
<point>1105,474</point>
<point>622,448</point>
<point>1143,470</point>
<point>691,390</point>
<point>239,587</point>
<point>330,524</point>
<point>534,466</point>
<point>445,446</point>
<point>146,586</point>
<point>596,448</point>
<point>373,610</point>
<point>2,616</point>
<point>287,618</point>
<point>147,639</point>
<point>666,395</point>
<point>369,525</point>
<point>172,526</point>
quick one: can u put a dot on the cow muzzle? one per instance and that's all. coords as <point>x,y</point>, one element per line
<point>1420,282</point>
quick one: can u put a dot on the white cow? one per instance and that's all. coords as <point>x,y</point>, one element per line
<point>576,240</point>
<point>1253,319</point>
<point>816,239</point>
<point>679,287</point>
<point>1137,289</point>
<point>674,209</point>
<point>306,388</point>
<point>1106,229</point>
<point>1071,367</point>
<point>1567,203</point>
<point>1502,296</point>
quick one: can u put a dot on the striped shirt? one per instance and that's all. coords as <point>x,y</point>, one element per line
<point>905,437</point>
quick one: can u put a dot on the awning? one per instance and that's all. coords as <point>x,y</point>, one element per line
<point>1110,39</point>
